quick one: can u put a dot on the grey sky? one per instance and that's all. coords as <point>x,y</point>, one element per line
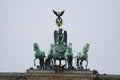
<point>23,22</point>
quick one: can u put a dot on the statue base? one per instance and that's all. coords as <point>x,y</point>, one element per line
<point>40,71</point>
<point>36,74</point>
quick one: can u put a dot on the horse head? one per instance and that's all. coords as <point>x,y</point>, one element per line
<point>35,45</point>
<point>86,48</point>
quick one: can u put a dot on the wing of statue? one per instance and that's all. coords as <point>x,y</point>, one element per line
<point>65,37</point>
<point>55,36</point>
<point>55,13</point>
<point>62,13</point>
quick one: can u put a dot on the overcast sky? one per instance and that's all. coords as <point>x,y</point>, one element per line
<point>24,22</point>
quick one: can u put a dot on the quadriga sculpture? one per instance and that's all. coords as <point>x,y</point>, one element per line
<point>81,56</point>
<point>39,55</point>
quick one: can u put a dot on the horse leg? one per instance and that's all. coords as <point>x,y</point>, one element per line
<point>66,63</point>
<point>78,63</point>
<point>70,62</point>
<point>34,61</point>
<point>60,62</point>
<point>51,63</point>
<point>40,63</point>
<point>81,67</point>
<point>86,63</point>
<point>43,62</point>
<point>54,63</point>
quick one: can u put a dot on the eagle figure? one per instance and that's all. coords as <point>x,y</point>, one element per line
<point>59,20</point>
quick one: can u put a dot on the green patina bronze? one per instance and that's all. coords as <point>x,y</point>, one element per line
<point>39,55</point>
<point>81,56</point>
<point>69,55</point>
